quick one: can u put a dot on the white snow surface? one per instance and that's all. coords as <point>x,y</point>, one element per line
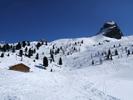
<point>111,22</point>
<point>77,78</point>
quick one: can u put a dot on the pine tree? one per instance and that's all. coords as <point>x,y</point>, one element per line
<point>28,43</point>
<point>116,52</point>
<point>98,53</point>
<point>109,52</point>
<point>20,53</point>
<point>52,57</point>
<point>26,49</point>
<point>13,49</point>
<point>8,55</point>
<point>7,47</point>
<point>119,45</point>
<point>128,52</point>
<point>4,48</point>
<point>99,43</point>
<point>82,41</point>
<point>0,48</point>
<point>34,51</point>
<point>92,62</point>
<point>111,57</point>
<point>42,43</point>
<point>2,55</point>
<point>23,44</point>
<point>50,51</point>
<point>46,43</point>
<point>45,62</point>
<point>100,61</point>
<point>108,57</point>
<point>38,45</point>
<point>37,57</point>
<point>29,53</point>
<point>91,56</point>
<point>60,61</point>
<point>18,46</point>
<point>102,53</point>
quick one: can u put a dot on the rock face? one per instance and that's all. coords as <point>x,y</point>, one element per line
<point>110,29</point>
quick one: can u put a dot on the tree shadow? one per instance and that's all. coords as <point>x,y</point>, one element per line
<point>38,66</point>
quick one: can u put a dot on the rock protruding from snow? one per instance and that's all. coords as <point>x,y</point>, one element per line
<point>110,29</point>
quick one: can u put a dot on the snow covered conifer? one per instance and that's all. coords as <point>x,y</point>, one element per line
<point>8,55</point>
<point>13,49</point>
<point>29,53</point>
<point>91,56</point>
<point>4,48</point>
<point>116,52</point>
<point>46,43</point>
<point>99,43</point>
<point>18,46</point>
<point>28,43</point>
<point>109,52</point>
<point>60,61</point>
<point>52,57</point>
<point>38,45</point>
<point>23,44</point>
<point>45,61</point>
<point>100,61</point>
<point>37,57</point>
<point>107,57</point>
<point>7,47</point>
<point>26,49</point>
<point>92,62</point>
<point>119,45</point>
<point>82,41</point>
<point>128,52</point>
<point>111,57</point>
<point>20,53</point>
<point>34,51</point>
<point>2,55</point>
<point>10,46</point>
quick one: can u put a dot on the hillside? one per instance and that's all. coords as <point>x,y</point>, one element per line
<point>77,78</point>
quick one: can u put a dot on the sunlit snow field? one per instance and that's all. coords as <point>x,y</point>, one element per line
<point>77,78</point>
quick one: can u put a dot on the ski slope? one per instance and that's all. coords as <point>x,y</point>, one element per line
<point>77,78</point>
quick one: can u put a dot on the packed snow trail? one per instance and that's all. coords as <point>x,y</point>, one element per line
<point>48,86</point>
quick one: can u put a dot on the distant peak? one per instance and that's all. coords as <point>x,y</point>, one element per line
<point>110,29</point>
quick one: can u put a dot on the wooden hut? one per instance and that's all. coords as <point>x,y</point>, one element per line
<point>20,67</point>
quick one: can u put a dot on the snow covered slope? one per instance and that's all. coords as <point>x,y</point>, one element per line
<point>76,78</point>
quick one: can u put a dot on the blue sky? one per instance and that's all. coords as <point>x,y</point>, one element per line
<point>32,20</point>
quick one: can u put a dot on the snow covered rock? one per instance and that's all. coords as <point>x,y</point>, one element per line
<point>110,29</point>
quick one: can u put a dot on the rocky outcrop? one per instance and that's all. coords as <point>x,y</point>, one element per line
<point>110,29</point>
